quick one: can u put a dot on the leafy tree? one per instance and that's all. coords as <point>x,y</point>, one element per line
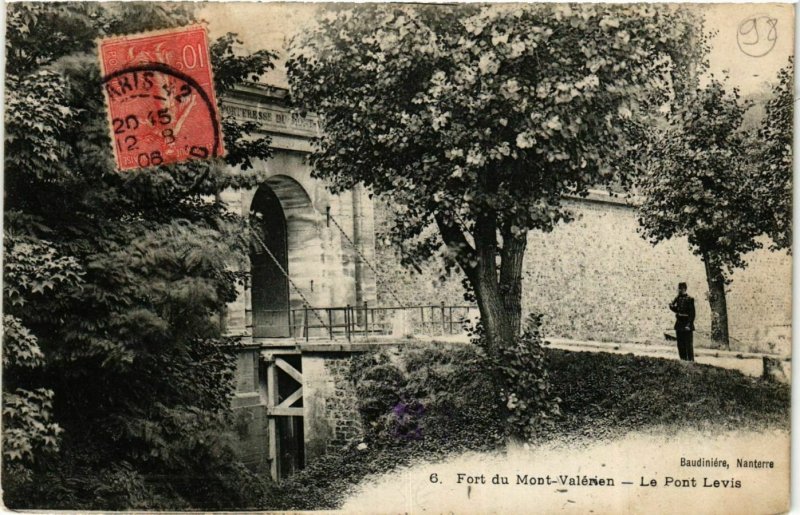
<point>699,186</point>
<point>116,375</point>
<point>478,119</point>
<point>773,165</point>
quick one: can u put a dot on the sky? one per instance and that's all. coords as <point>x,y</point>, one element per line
<point>741,35</point>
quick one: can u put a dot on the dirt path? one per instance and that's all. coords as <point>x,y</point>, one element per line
<point>638,459</point>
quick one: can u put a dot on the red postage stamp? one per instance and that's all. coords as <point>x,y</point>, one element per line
<point>160,95</point>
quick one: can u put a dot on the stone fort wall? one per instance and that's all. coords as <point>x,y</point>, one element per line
<point>330,403</point>
<point>597,279</point>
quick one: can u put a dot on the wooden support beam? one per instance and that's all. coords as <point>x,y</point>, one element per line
<point>288,401</point>
<point>285,412</point>
<point>272,393</point>
<point>289,369</point>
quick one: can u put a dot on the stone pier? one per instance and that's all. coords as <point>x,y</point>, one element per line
<point>293,401</point>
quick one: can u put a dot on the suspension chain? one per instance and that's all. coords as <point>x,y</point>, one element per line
<point>365,260</point>
<point>283,271</point>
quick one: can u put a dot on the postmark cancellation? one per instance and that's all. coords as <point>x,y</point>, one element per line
<point>160,96</point>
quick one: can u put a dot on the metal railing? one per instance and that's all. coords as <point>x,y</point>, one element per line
<point>362,321</point>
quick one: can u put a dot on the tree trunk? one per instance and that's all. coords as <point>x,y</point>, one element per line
<point>512,257</point>
<point>500,313</point>
<point>498,291</point>
<point>717,301</point>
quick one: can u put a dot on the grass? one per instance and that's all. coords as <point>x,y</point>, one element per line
<point>602,396</point>
<point>605,395</point>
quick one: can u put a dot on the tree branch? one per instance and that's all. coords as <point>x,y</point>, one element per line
<point>456,241</point>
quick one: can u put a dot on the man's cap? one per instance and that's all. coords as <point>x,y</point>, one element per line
<point>682,286</point>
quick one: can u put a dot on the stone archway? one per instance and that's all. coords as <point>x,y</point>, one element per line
<point>270,286</point>
<point>288,224</point>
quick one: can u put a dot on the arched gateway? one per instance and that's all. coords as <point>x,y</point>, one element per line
<point>269,263</point>
<point>287,409</point>
<point>285,248</point>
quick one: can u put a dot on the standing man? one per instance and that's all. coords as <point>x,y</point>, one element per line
<point>683,306</point>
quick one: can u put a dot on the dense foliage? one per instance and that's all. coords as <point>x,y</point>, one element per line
<point>415,401</point>
<point>773,161</point>
<point>116,377</point>
<point>701,185</point>
<point>479,119</point>
<point>418,391</point>
<point>698,182</point>
<point>603,396</point>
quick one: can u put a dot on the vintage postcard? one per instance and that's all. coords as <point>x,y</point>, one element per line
<point>397,257</point>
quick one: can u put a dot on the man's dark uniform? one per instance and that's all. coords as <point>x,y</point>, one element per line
<point>683,306</point>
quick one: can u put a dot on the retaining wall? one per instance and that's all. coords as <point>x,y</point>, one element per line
<point>597,279</point>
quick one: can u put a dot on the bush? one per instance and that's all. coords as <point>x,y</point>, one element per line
<point>203,472</point>
<point>523,385</point>
<point>439,393</point>
<point>379,386</point>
